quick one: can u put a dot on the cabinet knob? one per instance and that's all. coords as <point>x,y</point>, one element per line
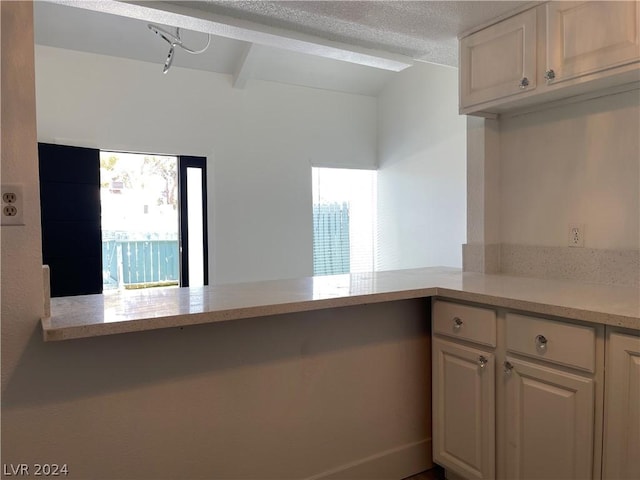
<point>549,74</point>
<point>541,343</point>
<point>524,83</point>
<point>508,366</point>
<point>482,361</point>
<point>457,323</point>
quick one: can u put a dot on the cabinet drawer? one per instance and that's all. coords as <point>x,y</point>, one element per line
<point>474,324</point>
<point>564,343</point>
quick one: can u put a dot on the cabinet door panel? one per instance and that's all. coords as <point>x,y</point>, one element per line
<point>495,60</point>
<point>622,408</point>
<point>549,423</point>
<point>587,37</point>
<point>463,409</point>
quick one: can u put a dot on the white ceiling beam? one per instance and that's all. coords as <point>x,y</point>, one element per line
<point>246,66</point>
<point>238,29</point>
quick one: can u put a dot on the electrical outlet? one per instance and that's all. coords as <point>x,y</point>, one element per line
<point>576,234</point>
<point>12,205</point>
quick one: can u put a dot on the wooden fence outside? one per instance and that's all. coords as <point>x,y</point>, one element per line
<point>140,263</point>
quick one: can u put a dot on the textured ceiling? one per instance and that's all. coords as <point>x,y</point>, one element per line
<point>290,42</point>
<point>423,30</point>
<point>100,33</point>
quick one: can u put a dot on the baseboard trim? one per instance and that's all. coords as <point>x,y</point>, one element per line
<point>393,464</point>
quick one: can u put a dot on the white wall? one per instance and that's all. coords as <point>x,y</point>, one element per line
<point>260,143</point>
<point>22,288</point>
<point>573,164</point>
<point>422,170</point>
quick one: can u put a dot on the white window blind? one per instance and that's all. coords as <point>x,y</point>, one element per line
<point>344,220</point>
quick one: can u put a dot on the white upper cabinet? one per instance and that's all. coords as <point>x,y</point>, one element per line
<point>553,51</point>
<point>499,61</point>
<point>588,37</point>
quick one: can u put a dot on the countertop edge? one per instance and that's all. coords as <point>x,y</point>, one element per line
<point>55,329</point>
<point>571,313</point>
<point>54,334</point>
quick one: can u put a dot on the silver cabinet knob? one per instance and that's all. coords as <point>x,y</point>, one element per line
<point>482,361</point>
<point>524,83</point>
<point>541,343</point>
<point>457,323</point>
<point>549,74</point>
<point>508,367</point>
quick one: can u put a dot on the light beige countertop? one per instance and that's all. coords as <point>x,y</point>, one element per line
<point>140,310</point>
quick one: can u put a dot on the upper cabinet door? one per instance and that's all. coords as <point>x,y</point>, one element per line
<point>588,37</point>
<point>499,61</point>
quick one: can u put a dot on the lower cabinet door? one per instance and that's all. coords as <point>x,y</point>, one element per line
<point>622,408</point>
<point>549,423</point>
<point>464,409</point>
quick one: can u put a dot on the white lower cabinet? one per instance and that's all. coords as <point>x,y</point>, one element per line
<point>622,407</point>
<point>463,376</point>
<point>464,409</point>
<point>548,398</point>
<point>549,422</point>
<point>528,402</point>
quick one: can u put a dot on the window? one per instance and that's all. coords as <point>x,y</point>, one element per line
<point>118,220</point>
<point>194,237</point>
<point>139,220</point>
<point>344,213</point>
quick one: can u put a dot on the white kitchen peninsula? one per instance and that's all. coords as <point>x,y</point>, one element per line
<point>526,308</point>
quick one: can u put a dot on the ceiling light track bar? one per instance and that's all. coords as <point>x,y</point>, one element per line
<point>174,41</point>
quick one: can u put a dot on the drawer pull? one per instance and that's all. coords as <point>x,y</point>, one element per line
<point>508,367</point>
<point>457,323</point>
<point>482,361</point>
<point>541,343</point>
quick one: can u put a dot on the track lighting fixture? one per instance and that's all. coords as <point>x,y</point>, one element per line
<point>174,41</point>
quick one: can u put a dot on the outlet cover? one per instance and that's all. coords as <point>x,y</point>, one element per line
<point>12,212</point>
<point>576,235</point>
